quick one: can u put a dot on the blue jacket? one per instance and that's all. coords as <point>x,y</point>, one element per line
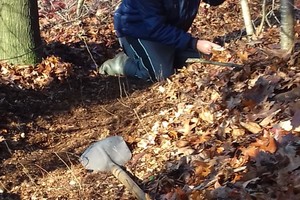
<point>164,21</point>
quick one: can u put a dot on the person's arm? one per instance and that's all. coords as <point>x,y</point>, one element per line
<point>156,27</point>
<point>159,31</point>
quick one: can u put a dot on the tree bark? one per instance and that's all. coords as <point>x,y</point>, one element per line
<point>287,24</point>
<point>79,7</point>
<point>247,17</point>
<point>20,40</point>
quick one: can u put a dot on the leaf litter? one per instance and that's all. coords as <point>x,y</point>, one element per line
<point>208,132</point>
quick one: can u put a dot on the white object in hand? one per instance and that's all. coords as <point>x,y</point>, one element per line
<point>219,48</point>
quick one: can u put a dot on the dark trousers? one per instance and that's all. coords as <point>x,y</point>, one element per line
<point>152,60</point>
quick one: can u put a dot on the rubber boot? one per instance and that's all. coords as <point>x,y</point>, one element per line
<point>114,66</point>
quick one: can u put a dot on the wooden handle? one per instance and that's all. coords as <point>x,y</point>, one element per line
<point>124,178</point>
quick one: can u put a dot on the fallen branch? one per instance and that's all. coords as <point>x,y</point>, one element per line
<point>200,60</point>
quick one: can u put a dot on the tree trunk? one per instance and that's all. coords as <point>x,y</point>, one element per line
<point>287,24</point>
<point>247,17</point>
<point>79,7</point>
<point>20,40</point>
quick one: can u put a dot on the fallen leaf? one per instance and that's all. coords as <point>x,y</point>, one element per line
<point>266,121</point>
<point>202,169</point>
<point>252,127</point>
<point>237,132</point>
<point>250,151</point>
<point>182,143</point>
<point>185,151</point>
<point>259,92</point>
<point>243,55</point>
<point>207,116</point>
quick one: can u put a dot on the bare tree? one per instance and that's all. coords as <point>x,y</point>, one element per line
<point>287,24</point>
<point>20,41</point>
<point>247,17</point>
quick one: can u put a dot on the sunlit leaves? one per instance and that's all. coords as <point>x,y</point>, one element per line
<point>35,77</point>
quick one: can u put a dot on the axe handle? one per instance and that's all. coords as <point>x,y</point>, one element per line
<point>124,178</point>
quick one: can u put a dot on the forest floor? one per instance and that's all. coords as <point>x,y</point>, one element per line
<point>208,132</point>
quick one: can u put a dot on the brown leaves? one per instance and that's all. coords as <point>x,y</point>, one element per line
<point>243,56</point>
<point>261,90</point>
<point>230,127</point>
<point>221,56</point>
<point>202,169</point>
<point>35,77</point>
<point>207,116</point>
<point>235,129</point>
<point>175,194</point>
<point>266,144</point>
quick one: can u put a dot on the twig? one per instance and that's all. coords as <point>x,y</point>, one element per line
<point>108,111</point>
<point>69,169</point>
<point>123,104</point>
<point>9,150</point>
<point>120,87</point>
<point>140,120</point>
<point>206,185</point>
<point>43,170</point>
<point>90,53</point>
<point>200,60</point>
<point>3,186</point>
<point>272,13</point>
<point>27,173</point>
<point>263,19</point>
<point>239,169</point>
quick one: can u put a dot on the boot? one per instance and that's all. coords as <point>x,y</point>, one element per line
<point>114,66</point>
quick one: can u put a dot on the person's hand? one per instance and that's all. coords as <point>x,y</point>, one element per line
<point>206,47</point>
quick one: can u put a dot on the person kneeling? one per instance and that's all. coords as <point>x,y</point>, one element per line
<point>155,39</point>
